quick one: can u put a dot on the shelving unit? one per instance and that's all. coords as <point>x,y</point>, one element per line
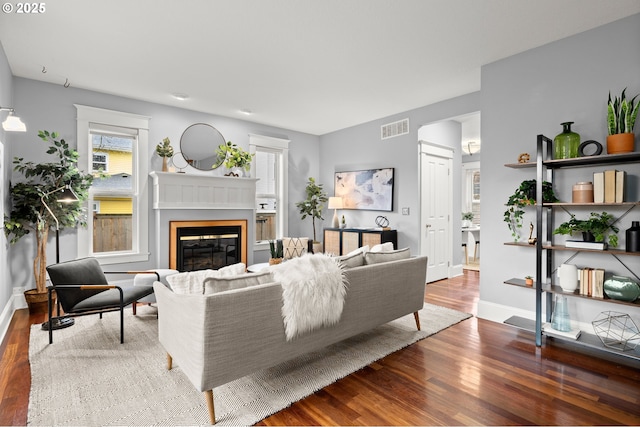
<point>544,246</point>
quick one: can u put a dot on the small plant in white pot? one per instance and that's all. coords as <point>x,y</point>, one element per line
<point>467,219</point>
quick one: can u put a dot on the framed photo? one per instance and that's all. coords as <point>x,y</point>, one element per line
<point>370,189</point>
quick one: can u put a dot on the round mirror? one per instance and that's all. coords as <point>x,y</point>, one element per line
<point>198,145</point>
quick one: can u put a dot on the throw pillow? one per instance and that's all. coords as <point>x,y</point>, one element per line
<point>192,282</point>
<point>213,285</point>
<point>360,250</point>
<point>294,246</point>
<point>382,247</point>
<point>350,261</point>
<point>378,257</point>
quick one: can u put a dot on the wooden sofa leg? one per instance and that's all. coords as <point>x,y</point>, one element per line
<point>169,362</point>
<point>208,395</point>
<point>415,315</point>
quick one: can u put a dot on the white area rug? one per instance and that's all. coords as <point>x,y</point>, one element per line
<point>88,378</point>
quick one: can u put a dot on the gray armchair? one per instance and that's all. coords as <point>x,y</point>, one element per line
<point>81,288</point>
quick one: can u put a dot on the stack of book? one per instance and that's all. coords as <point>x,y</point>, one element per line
<point>581,244</point>
<point>608,186</point>
<point>591,282</point>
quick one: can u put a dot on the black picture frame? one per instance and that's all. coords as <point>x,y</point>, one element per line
<point>368,189</point>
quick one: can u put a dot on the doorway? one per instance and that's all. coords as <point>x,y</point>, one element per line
<point>436,189</point>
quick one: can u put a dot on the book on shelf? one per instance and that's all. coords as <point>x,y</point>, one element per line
<point>620,179</point>
<point>598,283</point>
<point>591,282</point>
<point>573,334</point>
<point>598,187</point>
<point>580,244</point>
<point>610,186</point>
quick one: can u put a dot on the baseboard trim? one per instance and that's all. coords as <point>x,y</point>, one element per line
<point>16,302</point>
<point>499,313</point>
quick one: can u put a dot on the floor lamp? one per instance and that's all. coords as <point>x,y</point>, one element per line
<point>335,203</point>
<point>67,195</point>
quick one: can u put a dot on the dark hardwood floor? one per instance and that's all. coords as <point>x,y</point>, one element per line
<point>474,373</point>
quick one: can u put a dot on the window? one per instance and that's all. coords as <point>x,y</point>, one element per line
<point>100,162</point>
<point>270,165</point>
<point>114,146</point>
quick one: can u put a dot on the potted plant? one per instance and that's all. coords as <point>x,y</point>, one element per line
<point>621,118</point>
<point>528,280</point>
<point>276,251</point>
<point>312,205</point>
<point>594,229</point>
<point>525,195</point>
<point>467,218</point>
<point>30,198</point>
<point>235,157</point>
<point>164,150</point>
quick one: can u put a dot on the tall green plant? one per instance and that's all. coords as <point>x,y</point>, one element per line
<point>42,180</point>
<point>312,206</point>
<point>621,114</point>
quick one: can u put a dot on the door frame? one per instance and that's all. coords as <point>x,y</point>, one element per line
<point>438,150</point>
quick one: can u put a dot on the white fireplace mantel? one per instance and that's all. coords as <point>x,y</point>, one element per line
<point>182,191</point>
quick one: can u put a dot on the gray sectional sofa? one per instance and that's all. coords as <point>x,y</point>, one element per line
<point>220,337</point>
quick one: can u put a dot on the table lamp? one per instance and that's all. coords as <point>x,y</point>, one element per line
<point>335,203</point>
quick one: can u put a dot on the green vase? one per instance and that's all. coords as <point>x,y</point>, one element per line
<point>566,144</point>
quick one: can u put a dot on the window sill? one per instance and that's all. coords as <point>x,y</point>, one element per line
<point>121,258</point>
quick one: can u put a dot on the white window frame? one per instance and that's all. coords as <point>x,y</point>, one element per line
<point>280,147</point>
<point>106,162</point>
<point>89,118</point>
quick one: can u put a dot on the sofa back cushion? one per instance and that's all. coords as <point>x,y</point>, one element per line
<point>378,257</point>
<point>192,282</point>
<point>351,260</point>
<point>213,285</point>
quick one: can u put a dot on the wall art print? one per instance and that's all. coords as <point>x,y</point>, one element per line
<point>370,189</point>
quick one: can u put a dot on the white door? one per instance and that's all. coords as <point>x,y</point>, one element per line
<point>436,183</point>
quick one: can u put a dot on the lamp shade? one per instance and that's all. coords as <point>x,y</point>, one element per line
<point>335,203</point>
<point>14,124</point>
<point>67,195</point>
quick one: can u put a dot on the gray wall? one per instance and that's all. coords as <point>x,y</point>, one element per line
<point>6,100</point>
<point>360,147</point>
<point>532,93</point>
<point>48,106</point>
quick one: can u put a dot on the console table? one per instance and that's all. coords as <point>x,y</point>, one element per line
<point>340,241</point>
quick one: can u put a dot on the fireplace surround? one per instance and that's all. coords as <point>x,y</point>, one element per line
<point>199,201</point>
<point>199,245</point>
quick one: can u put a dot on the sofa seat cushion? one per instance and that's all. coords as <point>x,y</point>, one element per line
<point>378,257</point>
<point>213,285</point>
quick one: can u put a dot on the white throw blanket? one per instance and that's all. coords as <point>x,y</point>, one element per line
<point>314,287</point>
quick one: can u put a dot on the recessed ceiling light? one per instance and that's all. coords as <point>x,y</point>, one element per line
<point>246,112</point>
<point>180,96</point>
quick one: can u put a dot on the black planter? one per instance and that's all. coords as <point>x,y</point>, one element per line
<point>588,236</point>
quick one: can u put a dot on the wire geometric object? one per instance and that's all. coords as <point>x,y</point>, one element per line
<point>382,221</point>
<point>616,330</point>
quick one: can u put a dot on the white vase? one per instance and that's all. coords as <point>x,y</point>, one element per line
<point>568,274</point>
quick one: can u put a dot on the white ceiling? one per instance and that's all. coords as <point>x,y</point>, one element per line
<point>314,66</point>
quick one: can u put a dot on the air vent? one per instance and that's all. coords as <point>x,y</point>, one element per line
<point>398,128</point>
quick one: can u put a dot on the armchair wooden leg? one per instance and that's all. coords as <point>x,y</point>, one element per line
<point>208,395</point>
<point>415,315</point>
<point>134,306</point>
<point>169,362</point>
